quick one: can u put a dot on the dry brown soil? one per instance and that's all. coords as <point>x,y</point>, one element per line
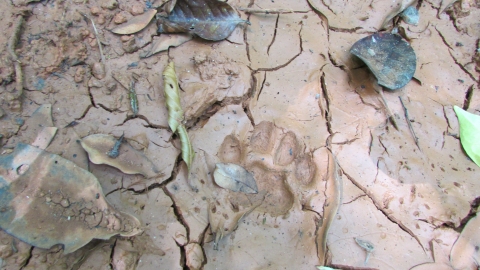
<point>271,98</point>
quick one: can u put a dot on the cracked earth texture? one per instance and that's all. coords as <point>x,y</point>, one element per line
<point>271,98</point>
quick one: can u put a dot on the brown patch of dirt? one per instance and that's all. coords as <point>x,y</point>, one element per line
<point>272,98</point>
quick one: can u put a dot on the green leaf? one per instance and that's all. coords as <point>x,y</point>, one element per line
<point>469,133</point>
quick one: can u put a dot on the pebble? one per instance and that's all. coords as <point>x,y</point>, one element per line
<point>137,9</point>
<point>98,70</point>
<point>119,18</point>
<point>95,10</point>
<point>65,203</point>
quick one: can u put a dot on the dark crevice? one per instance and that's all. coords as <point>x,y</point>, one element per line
<point>354,199</point>
<point>390,217</point>
<point>201,238</point>
<point>178,212</point>
<point>92,101</point>
<point>453,58</point>
<point>348,267</point>
<point>263,84</point>
<point>468,98</point>
<point>105,108</point>
<point>473,213</point>
<point>27,260</point>
<point>289,61</point>
<point>328,115</point>
<point>112,254</point>
<point>274,35</point>
<point>323,18</point>
<point>84,112</point>
<point>345,30</point>
<point>329,8</point>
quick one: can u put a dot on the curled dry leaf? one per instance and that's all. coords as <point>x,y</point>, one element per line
<point>465,252</point>
<point>187,150</point>
<point>175,112</point>
<point>334,192</point>
<point>234,177</point>
<point>390,58</point>
<point>164,42</point>
<point>136,24</point>
<point>209,19</point>
<point>129,160</point>
<point>469,133</point>
<point>172,97</point>
<point>47,200</point>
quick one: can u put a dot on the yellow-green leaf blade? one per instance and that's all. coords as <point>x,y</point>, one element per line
<point>469,133</point>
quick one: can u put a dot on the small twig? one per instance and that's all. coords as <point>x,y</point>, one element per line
<point>390,115</point>
<point>266,11</point>
<point>407,118</point>
<point>97,36</point>
<point>12,43</point>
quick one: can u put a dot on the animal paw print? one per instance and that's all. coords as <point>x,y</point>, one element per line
<point>277,159</point>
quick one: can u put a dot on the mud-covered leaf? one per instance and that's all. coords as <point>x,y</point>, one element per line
<point>129,160</point>
<point>164,42</point>
<point>390,58</point>
<point>469,133</point>
<point>136,24</point>
<point>47,200</point>
<point>209,19</point>
<point>235,178</point>
<point>465,252</point>
<point>432,266</point>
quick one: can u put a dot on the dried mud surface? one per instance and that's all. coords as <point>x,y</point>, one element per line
<point>271,98</point>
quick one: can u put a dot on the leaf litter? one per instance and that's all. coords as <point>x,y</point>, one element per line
<point>235,178</point>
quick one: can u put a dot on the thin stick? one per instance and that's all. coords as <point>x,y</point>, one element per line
<point>266,11</point>
<point>12,43</point>
<point>407,118</point>
<point>97,36</point>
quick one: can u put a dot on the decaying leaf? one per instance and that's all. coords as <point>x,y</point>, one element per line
<point>187,150</point>
<point>47,200</point>
<point>175,112</point>
<point>334,192</point>
<point>469,133</point>
<point>465,252</point>
<point>164,42</point>
<point>172,97</point>
<point>45,136</point>
<point>390,58</point>
<point>234,177</point>
<point>136,24</point>
<point>129,160</point>
<point>209,19</point>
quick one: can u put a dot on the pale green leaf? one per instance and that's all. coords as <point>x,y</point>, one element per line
<point>469,133</point>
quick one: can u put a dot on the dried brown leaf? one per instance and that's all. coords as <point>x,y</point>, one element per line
<point>209,19</point>
<point>49,200</point>
<point>129,160</point>
<point>164,42</point>
<point>136,24</point>
<point>234,177</point>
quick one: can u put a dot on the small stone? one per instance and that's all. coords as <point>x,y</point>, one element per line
<point>57,198</point>
<point>126,38</point>
<point>101,19</point>
<point>110,4</point>
<point>79,74</point>
<point>95,10</point>
<point>65,203</point>
<point>130,46</point>
<point>119,18</point>
<point>111,86</point>
<point>48,199</point>
<point>137,9</point>
<point>98,70</point>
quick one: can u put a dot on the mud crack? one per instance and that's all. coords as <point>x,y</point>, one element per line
<point>390,217</point>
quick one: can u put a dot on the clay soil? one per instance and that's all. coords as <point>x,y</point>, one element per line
<point>273,98</point>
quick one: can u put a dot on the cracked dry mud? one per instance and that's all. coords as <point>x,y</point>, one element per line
<point>271,98</point>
